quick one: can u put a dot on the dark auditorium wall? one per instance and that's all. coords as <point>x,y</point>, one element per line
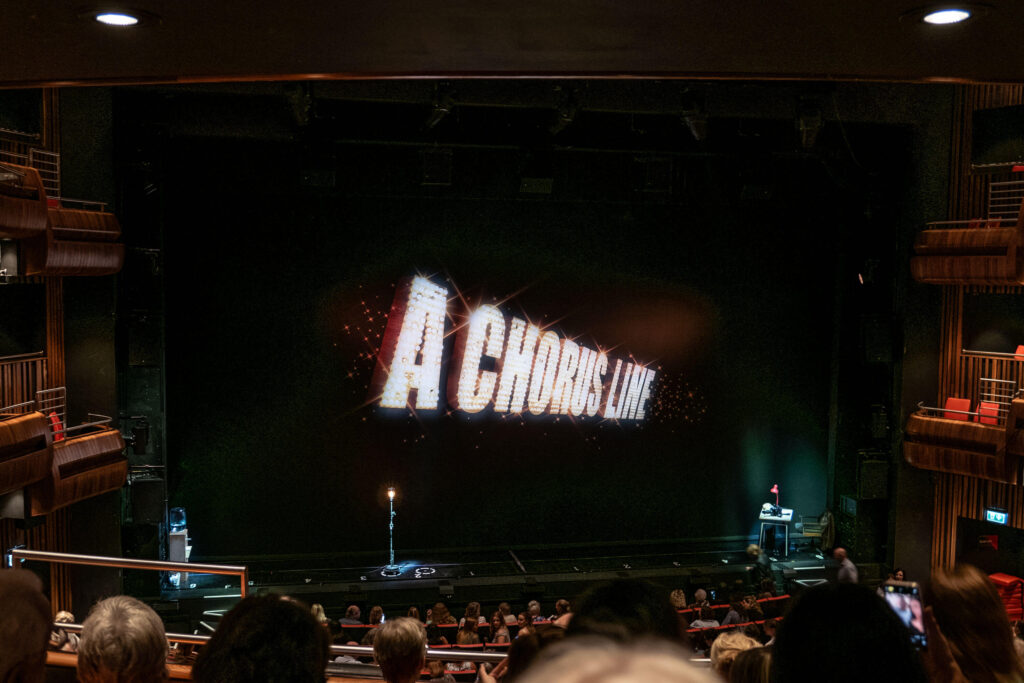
<point>734,278</point>
<point>269,230</point>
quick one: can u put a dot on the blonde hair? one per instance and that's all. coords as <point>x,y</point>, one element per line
<point>591,659</point>
<point>725,649</point>
<point>400,648</point>
<point>318,612</point>
<point>123,640</point>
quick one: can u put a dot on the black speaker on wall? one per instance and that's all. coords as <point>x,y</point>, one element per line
<point>147,500</point>
<point>873,480</point>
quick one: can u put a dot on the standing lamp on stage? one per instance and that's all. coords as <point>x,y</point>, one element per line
<point>391,569</point>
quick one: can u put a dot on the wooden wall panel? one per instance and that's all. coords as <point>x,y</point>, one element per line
<point>955,495</point>
<point>53,533</point>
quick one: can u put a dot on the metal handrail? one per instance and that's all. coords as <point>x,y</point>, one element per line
<point>936,409</point>
<point>103,420</point>
<point>129,563</point>
<point>980,223</point>
<point>997,354</point>
<point>22,356</point>
<point>16,406</point>
<point>453,654</point>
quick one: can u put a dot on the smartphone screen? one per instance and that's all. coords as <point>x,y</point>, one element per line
<point>904,597</point>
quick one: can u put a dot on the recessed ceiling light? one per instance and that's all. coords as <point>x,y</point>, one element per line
<point>947,16</point>
<point>946,13</point>
<point>117,19</point>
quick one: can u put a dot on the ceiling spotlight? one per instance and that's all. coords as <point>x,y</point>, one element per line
<point>946,13</point>
<point>946,16</point>
<point>117,19</point>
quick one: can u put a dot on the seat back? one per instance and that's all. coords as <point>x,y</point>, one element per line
<point>961,406</point>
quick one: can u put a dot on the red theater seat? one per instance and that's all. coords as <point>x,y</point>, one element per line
<point>1019,351</point>
<point>988,413</point>
<point>960,404</point>
<point>1011,593</point>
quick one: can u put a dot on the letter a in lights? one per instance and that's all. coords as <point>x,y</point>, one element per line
<point>410,356</point>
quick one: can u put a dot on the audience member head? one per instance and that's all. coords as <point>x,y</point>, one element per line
<point>505,609</point>
<point>533,609</point>
<point>264,639</point>
<point>726,647</point>
<point>678,598</point>
<point>524,650</point>
<point>973,620</point>
<point>436,668</point>
<point>470,625</point>
<point>123,641</point>
<point>753,551</point>
<point>24,627</point>
<point>317,610</point>
<point>898,574</point>
<point>770,626</point>
<point>754,631</point>
<point>626,609</point>
<point>523,620</point>
<point>353,612</point>
<point>472,611</point>
<point>434,635</point>
<point>592,659</point>
<point>400,649</point>
<point>376,615</point>
<point>753,665</point>
<point>839,554</point>
<point>700,596</point>
<point>843,633</point>
<point>440,614</point>
<point>413,612</point>
<point>561,607</point>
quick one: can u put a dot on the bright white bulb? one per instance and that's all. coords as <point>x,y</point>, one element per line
<point>117,19</point>
<point>947,16</point>
<point>391,494</point>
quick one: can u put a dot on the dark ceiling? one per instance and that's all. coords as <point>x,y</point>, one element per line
<point>187,40</point>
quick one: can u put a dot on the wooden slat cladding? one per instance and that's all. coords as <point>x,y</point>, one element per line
<point>19,380</point>
<point>967,191</point>
<point>956,495</point>
<point>950,343</point>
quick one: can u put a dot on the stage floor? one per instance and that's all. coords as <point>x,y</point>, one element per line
<point>491,575</point>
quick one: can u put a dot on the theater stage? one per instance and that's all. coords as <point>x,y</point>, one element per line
<point>488,575</point>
